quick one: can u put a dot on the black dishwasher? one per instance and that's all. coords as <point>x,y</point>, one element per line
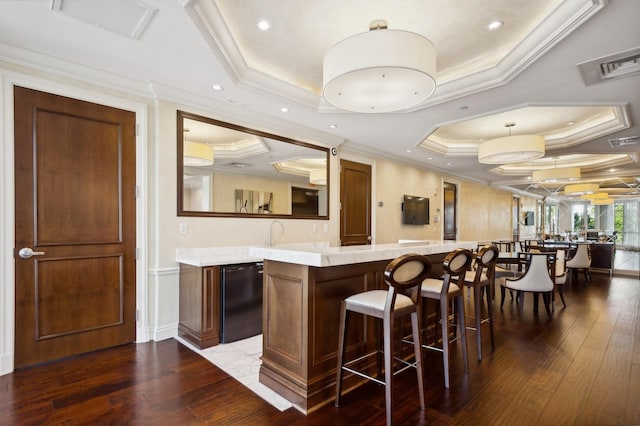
<point>241,296</point>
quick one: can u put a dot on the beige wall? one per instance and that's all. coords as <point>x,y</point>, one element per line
<point>484,213</point>
<point>392,181</point>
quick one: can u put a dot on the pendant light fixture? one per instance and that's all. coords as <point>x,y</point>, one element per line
<point>556,174</point>
<point>581,189</point>
<point>596,196</point>
<point>601,201</point>
<point>197,154</point>
<point>511,149</point>
<point>381,70</point>
<point>318,176</point>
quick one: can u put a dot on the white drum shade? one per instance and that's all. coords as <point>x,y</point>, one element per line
<point>379,71</point>
<point>556,174</point>
<point>197,154</point>
<point>318,176</point>
<point>581,188</point>
<point>511,149</point>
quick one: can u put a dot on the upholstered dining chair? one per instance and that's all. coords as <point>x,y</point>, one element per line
<point>404,276</point>
<point>481,279</point>
<point>561,273</point>
<point>449,288</point>
<point>536,279</point>
<point>580,260</point>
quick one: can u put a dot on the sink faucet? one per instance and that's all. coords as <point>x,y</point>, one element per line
<point>271,239</point>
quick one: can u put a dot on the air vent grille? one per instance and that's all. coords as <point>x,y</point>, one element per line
<point>618,142</point>
<point>237,165</point>
<point>619,65</point>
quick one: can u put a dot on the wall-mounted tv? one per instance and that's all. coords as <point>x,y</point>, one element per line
<point>415,210</point>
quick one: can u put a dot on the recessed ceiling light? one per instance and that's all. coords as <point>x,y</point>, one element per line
<point>448,164</point>
<point>408,151</point>
<point>263,25</point>
<point>216,87</point>
<point>613,170</point>
<point>284,109</point>
<point>494,25</point>
<point>430,158</point>
<point>571,123</point>
<point>333,126</point>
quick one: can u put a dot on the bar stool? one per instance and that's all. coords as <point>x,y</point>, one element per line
<point>404,276</point>
<point>482,282</point>
<point>455,266</point>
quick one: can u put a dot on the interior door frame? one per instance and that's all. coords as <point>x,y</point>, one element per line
<point>7,219</point>
<point>357,159</point>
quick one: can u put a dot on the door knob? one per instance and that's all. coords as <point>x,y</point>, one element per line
<point>27,252</point>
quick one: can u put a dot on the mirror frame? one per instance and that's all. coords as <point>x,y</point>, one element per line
<point>181,115</point>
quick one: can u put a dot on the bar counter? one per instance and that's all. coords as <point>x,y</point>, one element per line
<point>304,285</point>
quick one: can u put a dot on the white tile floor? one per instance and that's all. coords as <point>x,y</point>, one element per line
<point>241,360</point>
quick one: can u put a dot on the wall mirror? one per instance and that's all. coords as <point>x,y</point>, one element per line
<point>232,171</point>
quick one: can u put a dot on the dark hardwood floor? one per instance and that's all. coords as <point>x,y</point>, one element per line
<point>581,367</point>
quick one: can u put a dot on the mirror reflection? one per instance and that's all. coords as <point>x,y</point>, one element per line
<point>229,170</point>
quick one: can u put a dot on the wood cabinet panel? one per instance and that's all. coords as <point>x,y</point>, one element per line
<point>285,328</point>
<point>200,305</point>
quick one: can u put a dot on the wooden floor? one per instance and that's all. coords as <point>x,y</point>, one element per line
<point>581,367</point>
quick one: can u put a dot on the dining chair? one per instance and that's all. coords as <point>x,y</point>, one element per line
<point>449,288</point>
<point>580,260</point>
<point>482,279</point>
<point>404,277</point>
<point>536,279</point>
<point>560,274</point>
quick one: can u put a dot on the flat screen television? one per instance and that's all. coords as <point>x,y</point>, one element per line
<point>415,210</point>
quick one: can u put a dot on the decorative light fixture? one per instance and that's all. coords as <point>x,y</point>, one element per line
<point>556,174</point>
<point>318,176</point>
<point>602,201</point>
<point>596,196</point>
<point>380,70</point>
<point>511,149</point>
<point>581,188</point>
<point>197,154</point>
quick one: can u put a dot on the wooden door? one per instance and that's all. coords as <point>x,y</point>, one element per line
<point>355,203</point>
<point>449,222</point>
<point>75,204</point>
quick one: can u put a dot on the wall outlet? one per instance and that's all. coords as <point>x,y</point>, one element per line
<point>314,228</point>
<point>182,228</point>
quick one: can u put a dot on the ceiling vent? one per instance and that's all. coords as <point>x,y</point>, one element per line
<point>237,165</point>
<point>618,142</point>
<point>125,17</point>
<point>623,64</point>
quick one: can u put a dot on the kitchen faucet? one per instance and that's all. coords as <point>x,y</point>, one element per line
<point>271,242</point>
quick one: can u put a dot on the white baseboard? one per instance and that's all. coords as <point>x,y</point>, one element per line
<point>6,363</point>
<point>165,332</point>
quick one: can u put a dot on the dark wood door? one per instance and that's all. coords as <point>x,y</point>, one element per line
<point>75,204</point>
<point>449,223</point>
<point>355,203</point>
